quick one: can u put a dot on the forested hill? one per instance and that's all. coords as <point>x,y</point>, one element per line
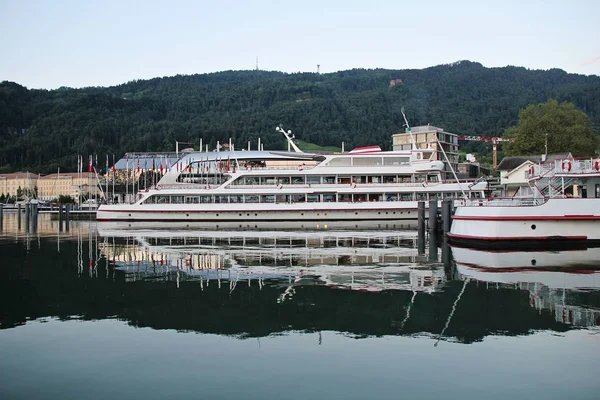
<point>41,130</point>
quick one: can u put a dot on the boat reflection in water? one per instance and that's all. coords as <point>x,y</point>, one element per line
<point>369,260</point>
<point>562,282</point>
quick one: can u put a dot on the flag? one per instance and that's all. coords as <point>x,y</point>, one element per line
<point>153,169</point>
<point>96,165</point>
<point>90,165</point>
<point>114,168</point>
<point>107,163</point>
<point>160,167</point>
<point>138,164</point>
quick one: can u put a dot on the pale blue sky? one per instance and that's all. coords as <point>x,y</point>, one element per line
<point>77,43</point>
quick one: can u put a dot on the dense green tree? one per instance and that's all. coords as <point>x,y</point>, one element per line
<point>560,127</point>
<point>43,130</point>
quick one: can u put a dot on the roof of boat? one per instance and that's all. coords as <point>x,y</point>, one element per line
<point>145,161</point>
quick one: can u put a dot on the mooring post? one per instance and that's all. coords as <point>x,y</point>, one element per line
<point>421,220</point>
<point>433,247</point>
<point>1,216</point>
<point>433,216</point>
<point>447,215</point>
<point>19,216</point>
<point>27,211</point>
<point>67,215</point>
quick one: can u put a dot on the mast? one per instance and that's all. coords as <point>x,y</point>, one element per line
<point>413,144</point>
<point>289,136</point>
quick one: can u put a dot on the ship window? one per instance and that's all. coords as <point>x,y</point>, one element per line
<point>345,197</point>
<point>312,198</point>
<point>176,199</point>
<point>421,196</point>
<point>367,161</point>
<point>268,180</point>
<point>432,178</point>
<point>340,162</point>
<point>267,198</point>
<point>221,199</point>
<point>389,179</point>
<point>396,160</point>
<point>344,180</point>
<point>298,198</point>
<point>329,179</point>
<point>284,180</point>
<point>297,180</point>
<point>162,199</point>
<point>407,196</point>
<point>192,199</point>
<point>236,199</point>
<point>391,196</point>
<point>404,178</point>
<point>251,198</point>
<point>205,199</point>
<point>328,197</point>
<point>251,180</point>
<point>311,179</point>
<point>282,198</point>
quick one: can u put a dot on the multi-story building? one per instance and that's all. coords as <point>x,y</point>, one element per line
<point>67,184</point>
<point>25,182</point>
<point>428,137</point>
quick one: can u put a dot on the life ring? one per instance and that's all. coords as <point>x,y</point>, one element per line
<point>566,165</point>
<point>157,187</point>
<point>280,186</point>
<point>354,185</point>
<point>531,170</point>
<point>597,165</point>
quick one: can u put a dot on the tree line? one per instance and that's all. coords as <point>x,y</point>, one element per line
<point>42,130</point>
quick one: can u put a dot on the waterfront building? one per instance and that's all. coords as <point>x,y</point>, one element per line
<point>514,176</point>
<point>428,137</point>
<point>25,182</point>
<point>67,184</point>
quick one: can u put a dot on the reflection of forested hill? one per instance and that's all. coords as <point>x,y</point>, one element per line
<point>42,129</point>
<point>39,283</point>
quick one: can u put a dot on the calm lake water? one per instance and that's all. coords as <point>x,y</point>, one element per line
<point>329,311</point>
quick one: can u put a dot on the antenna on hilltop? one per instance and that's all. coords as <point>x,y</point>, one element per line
<point>318,68</point>
<point>257,63</point>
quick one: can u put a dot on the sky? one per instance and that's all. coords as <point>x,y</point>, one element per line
<point>53,43</point>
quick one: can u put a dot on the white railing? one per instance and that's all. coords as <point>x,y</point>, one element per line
<point>504,202</point>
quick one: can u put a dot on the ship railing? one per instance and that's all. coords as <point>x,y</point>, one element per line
<point>503,202</point>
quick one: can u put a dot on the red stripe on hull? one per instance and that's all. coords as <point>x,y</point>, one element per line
<point>528,218</point>
<point>506,238</point>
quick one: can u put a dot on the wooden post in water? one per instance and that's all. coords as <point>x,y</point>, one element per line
<point>60,217</point>
<point>1,216</point>
<point>67,214</point>
<point>27,211</point>
<point>421,221</point>
<point>447,215</point>
<point>19,217</point>
<point>34,217</point>
<point>433,215</point>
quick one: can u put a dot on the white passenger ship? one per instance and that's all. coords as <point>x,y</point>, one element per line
<point>366,184</point>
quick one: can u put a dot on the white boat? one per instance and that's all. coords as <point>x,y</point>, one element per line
<point>365,184</point>
<point>557,221</point>
<point>367,261</point>
<point>569,269</point>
